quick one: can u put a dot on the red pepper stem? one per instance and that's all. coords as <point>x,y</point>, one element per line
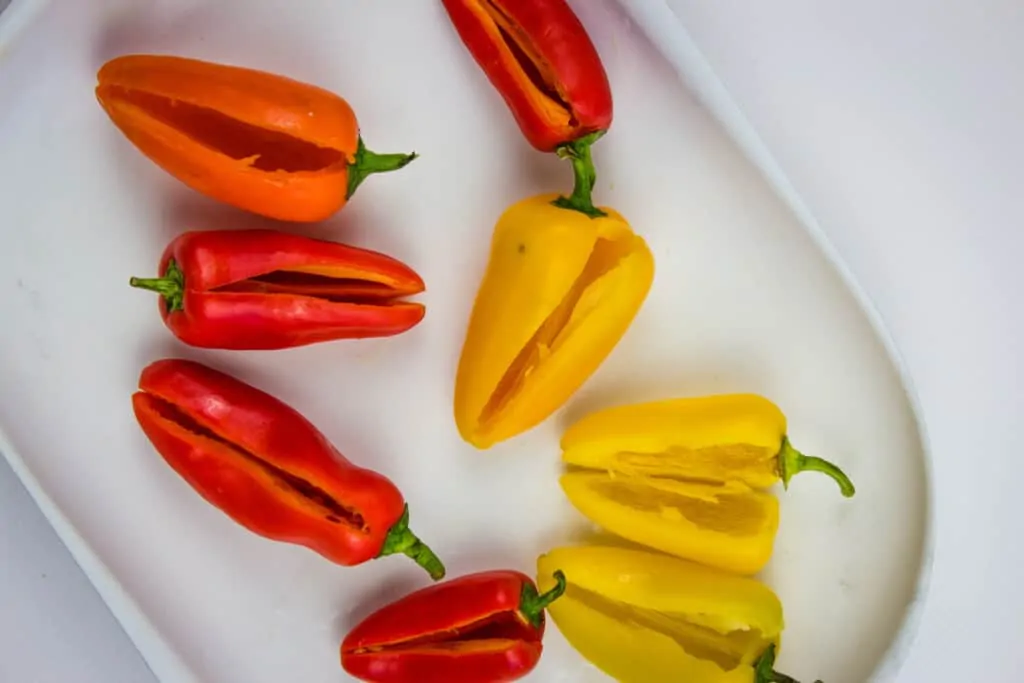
<point>401,540</point>
<point>764,671</point>
<point>578,152</point>
<point>792,461</point>
<point>171,286</point>
<point>532,604</point>
<point>367,163</point>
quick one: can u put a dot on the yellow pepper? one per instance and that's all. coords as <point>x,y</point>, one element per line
<point>729,437</point>
<point>564,281</point>
<point>682,475</point>
<point>643,617</point>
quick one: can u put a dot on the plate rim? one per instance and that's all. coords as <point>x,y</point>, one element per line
<point>695,71</point>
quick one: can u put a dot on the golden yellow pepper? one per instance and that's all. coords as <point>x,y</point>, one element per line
<point>682,475</point>
<point>564,282</point>
<point>643,617</point>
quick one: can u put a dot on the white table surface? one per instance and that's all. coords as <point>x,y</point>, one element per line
<point>54,628</point>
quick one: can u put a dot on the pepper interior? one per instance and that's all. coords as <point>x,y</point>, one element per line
<point>327,506</point>
<point>714,464</point>
<point>263,149</point>
<point>490,632</point>
<point>607,254</point>
<point>704,636</point>
<point>534,69</point>
<point>338,290</point>
<point>732,510</point>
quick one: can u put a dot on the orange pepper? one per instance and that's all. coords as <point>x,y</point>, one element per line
<point>255,140</point>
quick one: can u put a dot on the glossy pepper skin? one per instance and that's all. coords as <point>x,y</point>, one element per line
<point>682,476</point>
<point>564,281</point>
<point>721,438</point>
<point>263,289</point>
<point>539,57</point>
<point>642,617</point>
<point>482,627</point>
<point>258,141</point>
<point>270,470</point>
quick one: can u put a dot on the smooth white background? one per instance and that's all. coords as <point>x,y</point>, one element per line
<point>900,125</point>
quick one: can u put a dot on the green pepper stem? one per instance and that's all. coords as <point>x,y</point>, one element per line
<point>367,163</point>
<point>171,286</point>
<point>764,671</point>
<point>581,199</point>
<point>532,604</point>
<point>401,540</point>
<point>792,461</point>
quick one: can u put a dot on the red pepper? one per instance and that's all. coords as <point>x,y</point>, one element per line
<point>263,289</point>
<point>540,58</point>
<point>481,628</point>
<point>265,466</point>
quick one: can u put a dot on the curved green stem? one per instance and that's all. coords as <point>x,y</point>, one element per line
<point>401,540</point>
<point>532,604</point>
<point>171,286</point>
<point>367,163</point>
<point>578,152</point>
<point>764,671</point>
<point>792,461</point>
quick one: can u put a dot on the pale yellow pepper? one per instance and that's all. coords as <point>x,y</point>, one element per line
<point>643,617</point>
<point>682,475</point>
<point>564,281</point>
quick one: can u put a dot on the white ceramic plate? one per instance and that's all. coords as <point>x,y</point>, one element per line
<point>744,300</point>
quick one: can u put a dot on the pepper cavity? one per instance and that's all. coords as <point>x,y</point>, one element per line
<point>725,645</point>
<point>709,439</point>
<point>729,526</point>
<point>251,145</point>
<point>259,141</point>
<point>270,470</point>
<point>606,255</point>
<point>531,63</point>
<point>263,289</point>
<point>346,288</point>
<point>539,57</point>
<point>533,69</point>
<point>488,632</point>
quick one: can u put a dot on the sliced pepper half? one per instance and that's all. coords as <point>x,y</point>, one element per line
<point>560,290</point>
<point>643,617</point>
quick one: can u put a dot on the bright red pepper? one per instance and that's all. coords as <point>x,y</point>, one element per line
<point>540,58</point>
<point>481,628</point>
<point>265,466</point>
<point>263,289</point>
